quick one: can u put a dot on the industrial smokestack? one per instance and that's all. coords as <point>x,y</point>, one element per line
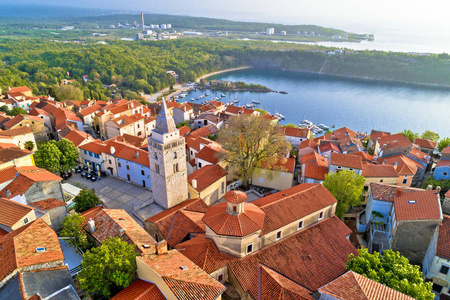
<point>143,27</point>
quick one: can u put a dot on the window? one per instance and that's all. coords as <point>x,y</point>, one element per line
<point>445,173</point>
<point>143,183</point>
<point>381,180</point>
<point>142,172</point>
<point>279,233</point>
<point>405,180</point>
<point>199,164</point>
<point>437,288</point>
<point>192,153</point>
<point>234,208</point>
<point>119,165</point>
<point>444,270</point>
<point>137,125</point>
<point>157,169</point>
<point>96,155</point>
<point>128,177</point>
<point>220,278</point>
<point>300,225</point>
<point>261,180</point>
<point>366,188</point>
<point>25,221</point>
<point>351,169</point>
<point>223,187</point>
<point>205,122</point>
<point>339,167</point>
<point>155,155</point>
<point>128,167</point>
<point>109,161</point>
<point>90,154</point>
<point>174,155</point>
<point>321,215</point>
<point>175,168</point>
<point>249,248</point>
<point>85,152</point>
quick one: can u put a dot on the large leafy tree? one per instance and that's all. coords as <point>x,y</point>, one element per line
<point>347,187</point>
<point>69,154</point>
<point>72,227</point>
<point>48,157</point>
<point>444,143</point>
<point>16,111</point>
<point>69,92</point>
<point>392,270</point>
<point>411,135</point>
<point>85,200</point>
<point>250,141</point>
<point>108,268</point>
<point>430,135</point>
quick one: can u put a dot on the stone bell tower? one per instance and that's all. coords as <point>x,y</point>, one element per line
<point>167,155</point>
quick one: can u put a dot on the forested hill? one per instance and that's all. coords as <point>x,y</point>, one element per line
<point>142,66</point>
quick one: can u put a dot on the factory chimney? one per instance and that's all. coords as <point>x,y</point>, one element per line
<point>143,27</point>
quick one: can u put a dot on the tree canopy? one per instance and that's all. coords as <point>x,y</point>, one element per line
<point>72,227</point>
<point>430,135</point>
<point>410,134</point>
<point>444,143</point>
<point>393,270</point>
<point>85,200</point>
<point>69,154</point>
<point>56,156</point>
<point>109,268</point>
<point>347,187</point>
<point>250,141</point>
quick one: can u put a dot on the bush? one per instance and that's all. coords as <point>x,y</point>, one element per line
<point>85,200</point>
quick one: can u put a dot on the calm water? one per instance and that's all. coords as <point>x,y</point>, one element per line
<point>358,104</point>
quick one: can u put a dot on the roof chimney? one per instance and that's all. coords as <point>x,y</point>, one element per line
<point>399,191</point>
<point>438,189</point>
<point>429,187</point>
<point>161,247</point>
<point>7,193</point>
<point>91,224</point>
<point>121,232</point>
<point>136,154</point>
<point>194,183</point>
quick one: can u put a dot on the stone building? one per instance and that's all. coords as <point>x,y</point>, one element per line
<point>167,154</point>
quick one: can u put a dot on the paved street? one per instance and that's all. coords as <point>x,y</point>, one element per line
<point>116,193</point>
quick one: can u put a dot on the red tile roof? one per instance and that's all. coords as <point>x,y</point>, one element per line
<point>128,152</point>
<point>386,192</point>
<point>346,160</point>
<point>445,150</point>
<point>282,164</point>
<point>10,153</point>
<point>181,220</point>
<point>127,120</point>
<point>443,241</point>
<point>328,147</point>
<point>206,176</point>
<point>353,286</point>
<point>26,179</point>
<point>77,137</point>
<point>425,143</point>
<point>16,131</point>
<point>235,197</point>
<point>379,171</point>
<point>296,132</point>
<point>18,248</point>
<point>209,154</point>
<point>91,213</point>
<point>406,159</point>
<point>221,222</point>
<point>316,159</point>
<point>108,223</point>
<point>364,156</point>
<point>184,130</point>
<point>308,143</point>
<point>203,131</point>
<point>96,146</point>
<point>19,118</point>
<point>12,212</point>
<point>422,205</point>
<point>191,283</point>
<point>140,290</point>
<point>394,141</point>
<point>420,155</point>
<point>292,204</point>
<point>90,109</point>
<point>133,140</point>
<point>277,286</point>
<point>48,204</point>
<point>443,163</point>
<point>312,257</point>
<point>342,132</point>
<point>197,142</point>
<point>315,172</point>
<point>19,89</point>
<point>405,165</point>
<point>376,135</point>
<point>10,173</point>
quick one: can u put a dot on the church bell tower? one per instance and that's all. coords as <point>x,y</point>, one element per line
<point>167,155</point>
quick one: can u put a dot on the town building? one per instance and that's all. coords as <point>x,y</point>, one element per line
<point>208,183</point>
<point>36,124</point>
<point>277,176</point>
<point>19,137</point>
<point>426,146</point>
<point>339,162</point>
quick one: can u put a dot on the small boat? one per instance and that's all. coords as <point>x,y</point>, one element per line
<point>222,95</point>
<point>235,101</point>
<point>249,105</point>
<point>306,123</point>
<point>282,92</point>
<point>256,101</point>
<point>279,116</point>
<point>324,127</point>
<point>192,99</point>
<point>206,94</point>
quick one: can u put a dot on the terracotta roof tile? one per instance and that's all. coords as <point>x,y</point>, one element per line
<point>443,163</point>
<point>325,147</point>
<point>314,158</point>
<point>203,131</point>
<point>342,132</point>
<point>425,143</point>
<point>277,286</point>
<point>12,212</point>
<point>296,132</point>
<point>401,157</point>
<point>292,204</point>
<point>315,172</point>
<point>386,192</point>
<point>197,142</point>
<point>19,118</point>
<point>405,165</point>
<point>8,154</point>
<point>353,286</point>
<point>346,160</point>
<point>90,109</point>
<point>379,171</point>
<point>445,150</point>
<point>235,197</point>
<point>422,205</point>
<point>96,146</point>
<point>140,290</point>
<point>26,179</point>
<point>376,135</point>
<point>364,156</point>
<point>223,223</point>
<point>311,258</point>
<point>16,131</point>
<point>206,176</point>
<point>91,213</point>
<point>189,283</point>
<point>48,204</point>
<point>19,89</point>
<point>282,164</point>
<point>394,141</point>
<point>184,130</point>
<point>209,154</point>
<point>443,241</point>
<point>308,143</point>
<point>10,173</point>
<point>19,247</point>
<point>420,155</point>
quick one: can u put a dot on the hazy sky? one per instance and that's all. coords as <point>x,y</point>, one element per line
<point>356,15</point>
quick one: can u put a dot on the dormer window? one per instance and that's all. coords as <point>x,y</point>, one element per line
<point>300,225</point>
<point>249,248</point>
<point>234,208</point>
<point>25,221</point>
<point>321,215</point>
<point>279,235</point>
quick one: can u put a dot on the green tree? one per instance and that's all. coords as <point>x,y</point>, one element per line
<point>249,141</point>
<point>392,270</point>
<point>29,145</point>
<point>48,157</point>
<point>72,227</point>
<point>262,112</point>
<point>108,268</point>
<point>430,135</point>
<point>69,92</point>
<point>184,123</point>
<point>444,143</point>
<point>410,134</point>
<point>85,200</point>
<point>347,187</point>
<point>4,109</point>
<point>69,154</point>
<point>17,110</point>
<point>292,125</point>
